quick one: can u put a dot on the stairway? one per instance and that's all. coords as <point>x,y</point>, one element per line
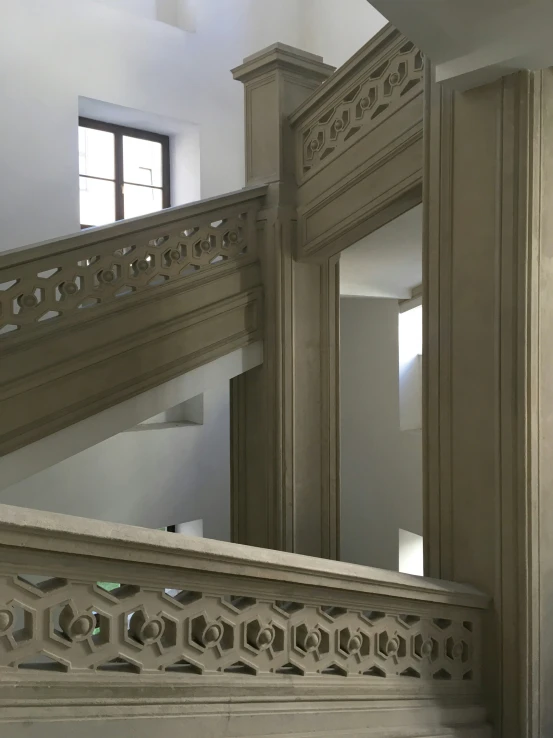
<point>97,333</point>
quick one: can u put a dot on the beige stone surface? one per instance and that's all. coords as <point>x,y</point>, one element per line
<point>113,623</point>
<point>285,440</point>
<point>488,168</point>
<point>129,307</point>
<point>211,639</point>
<point>359,146</point>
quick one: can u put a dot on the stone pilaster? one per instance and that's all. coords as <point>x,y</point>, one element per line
<point>488,377</point>
<point>284,427</point>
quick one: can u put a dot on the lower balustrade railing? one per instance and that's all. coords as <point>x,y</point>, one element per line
<point>95,615</point>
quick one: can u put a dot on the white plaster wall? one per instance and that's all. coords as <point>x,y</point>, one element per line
<point>143,8</point>
<point>335,29</point>
<point>59,50</point>
<point>381,469</point>
<point>55,51</point>
<point>57,447</point>
<point>147,478</point>
<point>111,56</point>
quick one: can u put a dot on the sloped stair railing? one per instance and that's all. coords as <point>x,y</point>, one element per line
<point>358,146</point>
<point>93,319</point>
<point>120,618</point>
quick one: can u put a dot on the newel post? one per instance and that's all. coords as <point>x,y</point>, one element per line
<point>284,420</point>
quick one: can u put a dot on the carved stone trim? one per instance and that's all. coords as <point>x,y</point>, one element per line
<point>97,374</point>
<point>364,99</point>
<point>199,613</point>
<point>61,287</point>
<point>52,624</point>
<point>92,320</point>
<point>30,536</point>
<point>358,147</point>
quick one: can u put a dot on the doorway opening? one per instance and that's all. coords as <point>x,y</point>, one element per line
<point>381,397</point>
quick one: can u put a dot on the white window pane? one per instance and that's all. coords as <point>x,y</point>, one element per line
<point>141,200</point>
<point>410,369</point>
<point>411,553</point>
<point>96,153</point>
<point>410,334</point>
<point>97,201</point>
<point>142,162</point>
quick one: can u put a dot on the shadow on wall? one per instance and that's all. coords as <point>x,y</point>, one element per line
<point>381,465</point>
<point>172,473</point>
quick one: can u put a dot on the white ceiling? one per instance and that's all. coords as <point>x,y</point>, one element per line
<point>388,262</point>
<point>473,42</point>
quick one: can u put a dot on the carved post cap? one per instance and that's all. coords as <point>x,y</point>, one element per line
<point>285,58</point>
<point>276,81</point>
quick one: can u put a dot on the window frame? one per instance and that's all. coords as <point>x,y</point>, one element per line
<point>118,132</point>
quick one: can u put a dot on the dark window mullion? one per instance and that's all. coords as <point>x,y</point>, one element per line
<point>119,191</point>
<point>140,184</point>
<point>100,179</point>
<point>166,175</point>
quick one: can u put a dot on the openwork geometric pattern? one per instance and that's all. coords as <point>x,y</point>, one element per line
<point>57,287</point>
<point>362,107</point>
<point>70,626</point>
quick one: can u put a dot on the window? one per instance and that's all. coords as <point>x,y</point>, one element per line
<point>123,172</point>
<point>410,369</point>
<point>411,553</point>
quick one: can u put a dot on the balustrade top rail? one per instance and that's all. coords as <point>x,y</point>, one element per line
<point>98,234</point>
<point>59,280</point>
<point>65,534</point>
<point>377,81</point>
<point>87,598</point>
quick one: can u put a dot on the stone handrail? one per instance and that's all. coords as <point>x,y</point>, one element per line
<point>49,284</point>
<point>356,98</point>
<point>358,146</point>
<point>86,603</point>
<point>90,320</point>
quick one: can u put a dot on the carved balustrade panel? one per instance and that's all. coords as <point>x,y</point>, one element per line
<point>64,279</point>
<point>54,288</point>
<point>70,626</point>
<point>367,100</point>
